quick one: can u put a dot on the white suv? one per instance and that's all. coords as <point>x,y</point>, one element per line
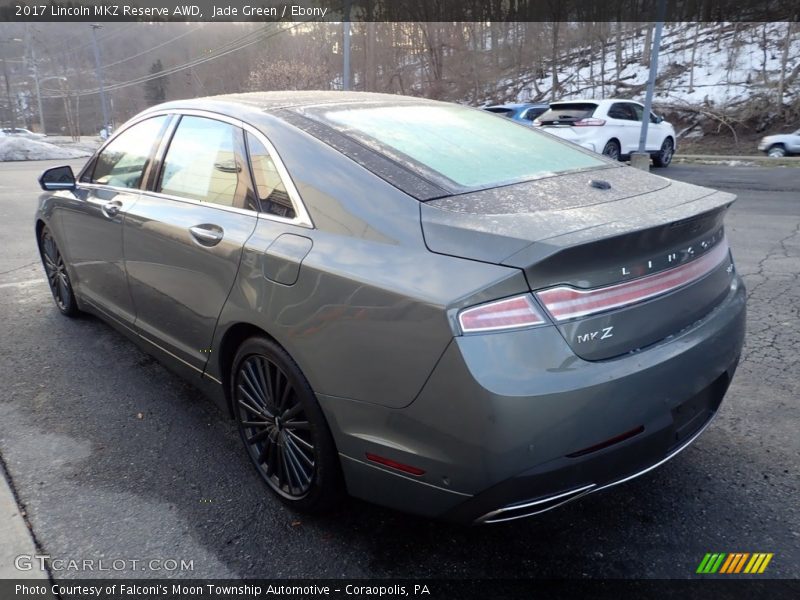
<point>610,127</point>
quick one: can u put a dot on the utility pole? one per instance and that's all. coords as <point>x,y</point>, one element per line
<point>11,105</point>
<point>346,44</point>
<point>641,159</point>
<point>99,67</point>
<point>35,66</point>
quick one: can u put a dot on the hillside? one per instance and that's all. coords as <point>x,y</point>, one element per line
<point>723,79</point>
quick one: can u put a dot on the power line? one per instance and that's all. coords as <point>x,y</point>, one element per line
<point>143,52</point>
<point>228,48</point>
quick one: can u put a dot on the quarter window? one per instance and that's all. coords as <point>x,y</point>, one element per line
<point>204,162</point>
<point>269,186</point>
<point>123,161</point>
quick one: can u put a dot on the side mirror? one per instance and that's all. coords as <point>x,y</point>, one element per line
<point>57,178</point>
<point>656,119</point>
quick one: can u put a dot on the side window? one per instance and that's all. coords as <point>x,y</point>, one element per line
<point>616,111</point>
<point>638,111</point>
<point>269,187</point>
<point>204,162</point>
<point>123,161</point>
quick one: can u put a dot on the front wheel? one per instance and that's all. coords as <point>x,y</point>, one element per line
<point>664,156</point>
<point>283,428</point>
<point>776,152</point>
<point>57,276</point>
<point>612,150</point>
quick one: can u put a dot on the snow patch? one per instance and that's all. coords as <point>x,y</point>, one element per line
<point>16,148</point>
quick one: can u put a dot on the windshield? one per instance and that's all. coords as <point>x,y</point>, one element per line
<point>469,148</point>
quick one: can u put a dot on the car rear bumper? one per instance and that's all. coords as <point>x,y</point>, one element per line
<point>512,424</point>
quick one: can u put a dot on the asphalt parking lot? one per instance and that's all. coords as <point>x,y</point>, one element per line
<point>113,457</point>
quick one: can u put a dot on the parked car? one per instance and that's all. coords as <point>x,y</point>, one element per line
<point>20,132</point>
<point>414,301</point>
<point>524,113</point>
<point>610,127</point>
<point>778,146</point>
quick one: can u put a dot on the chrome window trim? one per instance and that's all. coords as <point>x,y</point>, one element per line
<point>301,219</point>
<point>111,138</point>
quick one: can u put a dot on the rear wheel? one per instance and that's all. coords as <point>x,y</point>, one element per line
<point>57,277</point>
<point>611,149</point>
<point>664,156</point>
<point>283,427</point>
<point>777,152</point>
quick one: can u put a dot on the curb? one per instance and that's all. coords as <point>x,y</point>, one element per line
<point>751,160</point>
<point>17,539</point>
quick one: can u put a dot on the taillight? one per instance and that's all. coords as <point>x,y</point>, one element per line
<point>565,303</point>
<point>589,123</point>
<point>511,313</point>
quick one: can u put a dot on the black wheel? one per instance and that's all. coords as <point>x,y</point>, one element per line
<point>57,276</point>
<point>283,428</point>
<point>664,156</point>
<point>611,149</point>
<point>776,152</point>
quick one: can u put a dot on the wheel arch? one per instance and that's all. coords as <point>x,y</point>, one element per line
<point>233,337</point>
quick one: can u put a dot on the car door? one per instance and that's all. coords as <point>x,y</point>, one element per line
<point>93,219</point>
<point>794,142</point>
<point>655,130</point>
<point>184,237</point>
<point>624,126</point>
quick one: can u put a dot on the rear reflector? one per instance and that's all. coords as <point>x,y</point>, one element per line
<point>388,462</point>
<point>565,303</point>
<point>610,442</point>
<point>511,313</point>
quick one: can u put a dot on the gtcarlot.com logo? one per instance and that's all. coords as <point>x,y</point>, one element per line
<point>41,562</point>
<point>734,562</point>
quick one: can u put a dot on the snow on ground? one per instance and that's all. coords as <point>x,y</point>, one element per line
<point>17,148</point>
<point>732,61</point>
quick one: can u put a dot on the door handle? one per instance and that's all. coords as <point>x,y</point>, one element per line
<point>207,235</point>
<point>111,209</point>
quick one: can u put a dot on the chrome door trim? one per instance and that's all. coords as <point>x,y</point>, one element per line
<point>302,218</point>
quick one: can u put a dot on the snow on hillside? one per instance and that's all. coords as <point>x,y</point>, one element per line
<point>18,148</point>
<point>730,64</point>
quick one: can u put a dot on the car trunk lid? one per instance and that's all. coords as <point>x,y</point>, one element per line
<point>592,231</point>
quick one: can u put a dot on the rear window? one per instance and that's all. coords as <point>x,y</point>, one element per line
<point>568,113</point>
<point>467,148</point>
<point>506,112</point>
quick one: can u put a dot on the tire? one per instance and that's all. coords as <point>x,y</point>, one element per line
<point>57,275</point>
<point>283,428</point>
<point>664,156</point>
<point>612,150</point>
<point>777,151</point>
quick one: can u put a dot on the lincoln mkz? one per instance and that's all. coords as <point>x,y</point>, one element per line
<point>413,302</point>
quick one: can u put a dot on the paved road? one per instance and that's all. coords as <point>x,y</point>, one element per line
<point>97,481</point>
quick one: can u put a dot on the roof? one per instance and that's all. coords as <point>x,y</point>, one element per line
<point>287,99</point>
<point>517,105</point>
<point>596,101</point>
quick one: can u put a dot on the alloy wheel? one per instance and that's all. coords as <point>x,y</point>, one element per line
<point>56,271</point>
<point>275,427</point>
<point>666,152</point>
<point>611,150</point>
<point>776,152</point>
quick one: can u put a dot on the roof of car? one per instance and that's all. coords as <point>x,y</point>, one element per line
<point>595,101</point>
<point>517,105</point>
<point>292,99</point>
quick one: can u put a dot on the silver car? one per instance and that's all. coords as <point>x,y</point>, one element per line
<point>780,145</point>
<point>411,301</point>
